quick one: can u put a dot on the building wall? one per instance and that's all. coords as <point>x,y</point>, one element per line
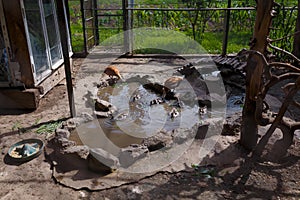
<point>19,53</point>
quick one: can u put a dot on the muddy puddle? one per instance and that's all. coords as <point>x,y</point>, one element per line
<point>136,118</point>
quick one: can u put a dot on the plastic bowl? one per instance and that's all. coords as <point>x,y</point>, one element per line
<point>26,150</point>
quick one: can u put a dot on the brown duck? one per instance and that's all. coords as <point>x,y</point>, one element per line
<point>112,71</point>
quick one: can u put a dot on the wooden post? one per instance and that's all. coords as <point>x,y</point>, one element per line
<point>64,43</point>
<point>226,29</point>
<point>254,72</point>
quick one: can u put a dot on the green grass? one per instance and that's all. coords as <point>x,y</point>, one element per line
<point>77,38</point>
<point>211,40</point>
<point>163,40</point>
<point>106,33</point>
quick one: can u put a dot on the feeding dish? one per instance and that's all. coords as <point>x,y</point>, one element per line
<point>26,149</point>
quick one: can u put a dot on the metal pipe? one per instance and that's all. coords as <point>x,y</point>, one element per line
<point>83,26</point>
<point>226,29</point>
<point>64,43</point>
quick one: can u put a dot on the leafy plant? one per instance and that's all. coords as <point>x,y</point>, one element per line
<point>17,126</point>
<point>48,128</point>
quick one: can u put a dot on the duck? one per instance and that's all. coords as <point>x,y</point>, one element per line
<point>173,82</point>
<point>170,84</point>
<point>112,71</point>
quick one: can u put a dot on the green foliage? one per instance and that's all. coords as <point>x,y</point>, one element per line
<point>206,27</point>
<point>284,25</point>
<point>76,26</point>
<point>48,128</point>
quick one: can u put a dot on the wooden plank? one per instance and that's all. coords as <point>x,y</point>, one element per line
<point>56,76</point>
<point>19,99</point>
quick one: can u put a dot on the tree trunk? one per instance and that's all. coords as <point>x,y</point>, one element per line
<point>254,72</point>
<point>296,48</point>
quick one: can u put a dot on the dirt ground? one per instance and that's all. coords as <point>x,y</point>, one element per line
<point>245,178</point>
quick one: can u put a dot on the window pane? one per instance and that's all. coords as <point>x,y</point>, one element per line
<point>52,31</point>
<point>36,36</point>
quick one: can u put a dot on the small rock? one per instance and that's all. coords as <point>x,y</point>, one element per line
<point>62,133</point>
<point>107,159</point>
<point>96,166</point>
<point>102,83</point>
<point>82,151</point>
<point>132,153</point>
<point>102,114</point>
<point>86,117</point>
<point>64,142</point>
<point>101,105</point>
<point>104,108</point>
<point>82,194</point>
<point>71,124</point>
<point>159,141</point>
<point>182,135</point>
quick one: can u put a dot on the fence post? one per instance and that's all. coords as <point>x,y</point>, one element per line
<point>226,29</point>
<point>83,26</point>
<point>96,22</point>
<point>125,25</point>
<point>130,26</point>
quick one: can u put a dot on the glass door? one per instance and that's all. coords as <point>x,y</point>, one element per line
<point>53,34</point>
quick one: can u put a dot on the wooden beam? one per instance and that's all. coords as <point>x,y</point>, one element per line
<point>19,99</point>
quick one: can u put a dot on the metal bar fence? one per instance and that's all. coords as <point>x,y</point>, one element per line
<point>233,24</point>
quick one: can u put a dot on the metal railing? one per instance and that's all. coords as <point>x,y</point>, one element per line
<point>99,23</point>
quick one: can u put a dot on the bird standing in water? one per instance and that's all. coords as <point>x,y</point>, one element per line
<point>170,84</point>
<point>173,82</point>
<point>112,71</point>
<point>169,87</point>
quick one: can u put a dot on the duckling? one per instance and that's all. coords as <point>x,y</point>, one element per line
<point>202,110</point>
<point>156,101</point>
<point>112,71</point>
<point>174,113</point>
<point>136,97</point>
